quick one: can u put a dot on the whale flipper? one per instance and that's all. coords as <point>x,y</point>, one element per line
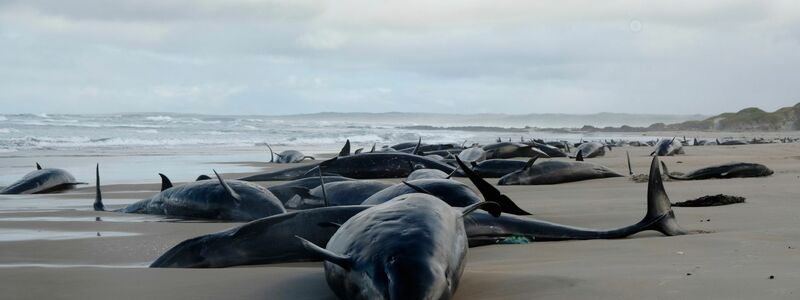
<point>490,193</point>
<point>165,183</point>
<point>492,208</point>
<point>271,154</point>
<point>341,260</point>
<point>231,193</point>
<point>416,148</point>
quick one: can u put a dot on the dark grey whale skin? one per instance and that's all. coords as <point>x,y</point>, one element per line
<point>412,247</point>
<point>269,240</point>
<point>363,166</point>
<point>554,172</point>
<point>338,194</point>
<point>511,150</point>
<point>209,200</point>
<point>495,168</point>
<point>264,241</point>
<point>42,181</point>
<point>724,171</point>
<point>286,191</point>
<point>483,229</point>
<point>205,199</point>
<point>668,147</point>
<point>450,191</point>
<point>591,149</point>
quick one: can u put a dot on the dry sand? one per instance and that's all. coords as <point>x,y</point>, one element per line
<point>50,250</point>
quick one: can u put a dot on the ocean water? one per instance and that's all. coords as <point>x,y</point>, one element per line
<point>174,131</point>
<point>135,147</point>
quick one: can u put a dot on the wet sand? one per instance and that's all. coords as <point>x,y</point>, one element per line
<point>731,254</point>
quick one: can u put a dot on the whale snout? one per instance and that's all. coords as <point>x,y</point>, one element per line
<point>187,254</point>
<point>415,278</point>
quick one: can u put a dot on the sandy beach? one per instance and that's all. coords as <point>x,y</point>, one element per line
<point>56,247</point>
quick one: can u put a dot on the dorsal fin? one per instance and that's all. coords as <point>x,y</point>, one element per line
<point>271,154</point>
<point>234,196</point>
<point>373,148</point>
<point>343,261</point>
<point>165,183</point>
<point>98,197</point>
<point>358,151</point>
<point>492,208</point>
<point>530,162</point>
<point>346,149</point>
<point>38,167</point>
<point>202,177</point>
<point>579,156</point>
<point>490,193</point>
<point>630,169</point>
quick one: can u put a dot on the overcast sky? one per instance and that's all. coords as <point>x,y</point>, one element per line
<point>279,57</point>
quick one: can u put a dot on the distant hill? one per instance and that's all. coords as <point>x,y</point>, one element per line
<point>496,120</point>
<point>748,119</point>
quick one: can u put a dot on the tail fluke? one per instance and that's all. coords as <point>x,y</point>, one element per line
<point>659,209</point>
<point>98,197</point>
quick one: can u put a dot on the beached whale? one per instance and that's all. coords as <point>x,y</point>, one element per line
<point>264,241</point>
<point>450,191</point>
<point>472,154</point>
<point>667,147</point>
<point>483,229</point>
<point>336,194</point>
<point>230,200</point>
<point>42,180</point>
<point>269,240</point>
<point>553,172</point>
<point>550,150</point>
<point>728,170</point>
<point>285,191</point>
<point>427,174</point>
<point>412,247</point>
<point>363,166</point>
<point>591,149</point>
<point>731,142</point>
<point>288,156</point>
<point>511,150</point>
<point>495,168</point>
